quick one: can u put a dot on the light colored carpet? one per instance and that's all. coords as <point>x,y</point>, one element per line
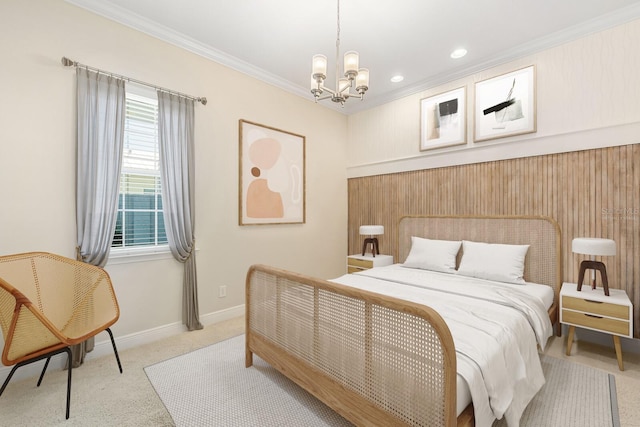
<point>100,395</point>
<point>211,386</point>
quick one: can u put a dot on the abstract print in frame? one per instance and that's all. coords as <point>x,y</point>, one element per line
<point>505,105</point>
<point>272,175</point>
<point>442,120</point>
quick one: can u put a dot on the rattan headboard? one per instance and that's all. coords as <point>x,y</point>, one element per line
<point>543,263</point>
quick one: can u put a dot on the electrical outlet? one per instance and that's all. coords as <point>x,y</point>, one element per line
<point>222,292</point>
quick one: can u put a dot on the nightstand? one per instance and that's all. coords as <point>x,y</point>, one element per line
<point>592,309</point>
<point>357,263</point>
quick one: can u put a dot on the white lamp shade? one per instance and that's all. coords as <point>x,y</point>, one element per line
<point>593,246</point>
<point>351,61</point>
<point>362,79</point>
<point>319,66</point>
<point>371,230</point>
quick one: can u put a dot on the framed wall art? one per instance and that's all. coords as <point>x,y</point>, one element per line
<point>443,120</point>
<point>272,175</point>
<point>505,105</point>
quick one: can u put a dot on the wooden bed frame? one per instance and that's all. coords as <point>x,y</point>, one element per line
<point>378,360</point>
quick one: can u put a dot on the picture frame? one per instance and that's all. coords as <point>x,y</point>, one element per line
<point>443,120</point>
<point>505,105</point>
<point>271,175</point>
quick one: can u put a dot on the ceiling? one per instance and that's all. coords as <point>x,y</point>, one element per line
<point>274,40</point>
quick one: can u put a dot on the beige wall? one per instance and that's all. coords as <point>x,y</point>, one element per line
<point>37,159</point>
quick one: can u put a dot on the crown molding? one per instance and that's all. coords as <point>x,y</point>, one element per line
<point>139,23</point>
<point>153,29</point>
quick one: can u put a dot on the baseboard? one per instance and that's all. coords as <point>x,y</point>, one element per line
<point>144,337</point>
<point>103,347</point>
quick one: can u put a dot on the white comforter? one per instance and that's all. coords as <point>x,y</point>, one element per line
<point>495,328</point>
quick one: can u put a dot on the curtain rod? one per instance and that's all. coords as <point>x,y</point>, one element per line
<point>71,63</point>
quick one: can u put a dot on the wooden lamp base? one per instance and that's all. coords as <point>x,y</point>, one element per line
<point>593,265</point>
<point>373,241</point>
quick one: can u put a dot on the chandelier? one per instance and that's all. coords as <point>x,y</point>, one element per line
<point>343,86</point>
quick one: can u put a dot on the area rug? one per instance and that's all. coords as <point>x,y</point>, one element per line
<point>574,395</point>
<point>211,387</point>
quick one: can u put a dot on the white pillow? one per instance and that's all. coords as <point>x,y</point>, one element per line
<point>436,255</point>
<point>493,261</point>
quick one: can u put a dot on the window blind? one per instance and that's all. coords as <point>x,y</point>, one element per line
<point>140,219</point>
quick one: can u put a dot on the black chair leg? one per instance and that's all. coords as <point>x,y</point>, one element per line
<point>43,371</point>
<point>9,377</point>
<point>115,350</point>
<point>48,357</point>
<point>46,364</point>
<point>69,357</point>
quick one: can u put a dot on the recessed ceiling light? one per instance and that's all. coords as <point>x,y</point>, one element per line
<point>458,53</point>
<point>397,79</point>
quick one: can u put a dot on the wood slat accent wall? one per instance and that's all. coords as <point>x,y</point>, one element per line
<point>591,193</point>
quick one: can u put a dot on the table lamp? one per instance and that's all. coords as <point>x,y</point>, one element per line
<point>371,231</point>
<point>593,247</point>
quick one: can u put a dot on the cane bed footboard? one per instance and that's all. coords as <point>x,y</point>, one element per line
<point>375,360</point>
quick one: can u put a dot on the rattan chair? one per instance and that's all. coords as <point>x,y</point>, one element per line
<point>49,303</point>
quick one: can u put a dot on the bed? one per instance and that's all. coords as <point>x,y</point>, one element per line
<point>379,349</point>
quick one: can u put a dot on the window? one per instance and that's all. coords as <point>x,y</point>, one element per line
<point>140,221</point>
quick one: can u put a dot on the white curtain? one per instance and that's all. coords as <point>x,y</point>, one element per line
<point>101,111</point>
<point>176,139</point>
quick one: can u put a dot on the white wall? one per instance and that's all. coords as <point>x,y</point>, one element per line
<point>37,159</point>
<point>588,96</point>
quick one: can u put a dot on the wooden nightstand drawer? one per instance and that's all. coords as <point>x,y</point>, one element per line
<point>362,263</point>
<point>604,324</point>
<point>596,307</point>
<point>357,263</point>
<point>592,309</point>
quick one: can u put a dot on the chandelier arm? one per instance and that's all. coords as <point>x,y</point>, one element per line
<point>346,90</point>
<point>326,89</point>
